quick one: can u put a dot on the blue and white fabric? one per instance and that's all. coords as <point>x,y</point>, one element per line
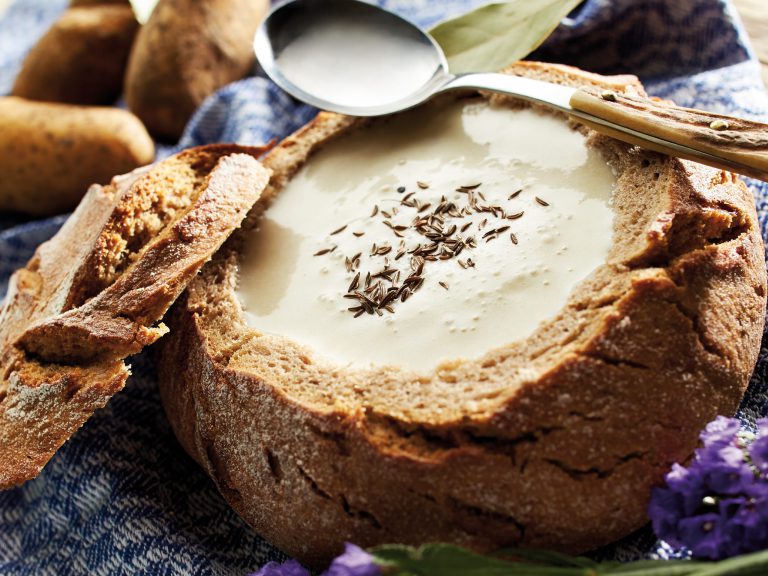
<point>122,497</point>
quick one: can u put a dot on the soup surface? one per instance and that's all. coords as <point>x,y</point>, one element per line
<point>438,234</point>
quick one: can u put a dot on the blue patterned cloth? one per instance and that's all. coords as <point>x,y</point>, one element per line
<point>121,497</point>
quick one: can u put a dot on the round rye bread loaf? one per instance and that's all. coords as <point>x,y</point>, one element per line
<point>554,440</point>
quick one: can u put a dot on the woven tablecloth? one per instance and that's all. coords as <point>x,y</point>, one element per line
<point>122,497</point>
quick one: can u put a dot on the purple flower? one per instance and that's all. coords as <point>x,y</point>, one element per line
<point>705,534</point>
<point>718,506</point>
<point>758,451</point>
<point>289,568</point>
<point>688,486</point>
<point>725,470</point>
<point>752,517</point>
<point>720,431</point>
<point>353,562</point>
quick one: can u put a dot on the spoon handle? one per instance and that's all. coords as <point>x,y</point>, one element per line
<point>720,141</point>
<point>729,143</point>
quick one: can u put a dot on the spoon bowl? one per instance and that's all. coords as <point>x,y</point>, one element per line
<point>349,57</point>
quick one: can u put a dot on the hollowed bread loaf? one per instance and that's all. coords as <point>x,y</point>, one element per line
<point>552,440</point>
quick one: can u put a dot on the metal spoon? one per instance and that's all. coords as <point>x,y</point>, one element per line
<point>355,58</point>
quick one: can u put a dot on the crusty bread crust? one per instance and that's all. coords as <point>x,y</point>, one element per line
<point>553,441</point>
<point>93,294</point>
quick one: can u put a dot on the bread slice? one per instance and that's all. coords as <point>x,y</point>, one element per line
<point>94,293</point>
<point>552,441</point>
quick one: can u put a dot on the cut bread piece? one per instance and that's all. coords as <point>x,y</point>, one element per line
<point>95,292</point>
<point>553,440</point>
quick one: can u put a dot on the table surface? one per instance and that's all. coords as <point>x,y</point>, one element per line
<point>755,17</point>
<point>753,13</point>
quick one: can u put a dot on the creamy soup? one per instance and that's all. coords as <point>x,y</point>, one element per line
<point>438,234</point>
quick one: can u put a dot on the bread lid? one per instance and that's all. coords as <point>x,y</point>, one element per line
<point>95,293</point>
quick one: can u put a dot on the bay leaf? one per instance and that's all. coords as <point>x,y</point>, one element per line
<point>497,34</point>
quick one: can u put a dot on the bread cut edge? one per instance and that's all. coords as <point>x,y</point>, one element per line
<point>62,359</point>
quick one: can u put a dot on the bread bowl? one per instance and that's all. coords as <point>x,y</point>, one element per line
<point>550,439</point>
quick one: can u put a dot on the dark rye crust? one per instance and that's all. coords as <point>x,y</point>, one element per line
<point>553,441</point>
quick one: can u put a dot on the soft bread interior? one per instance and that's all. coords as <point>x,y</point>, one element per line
<point>147,208</point>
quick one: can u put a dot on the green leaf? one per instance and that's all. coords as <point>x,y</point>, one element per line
<point>657,568</point>
<point>495,35</point>
<point>545,557</point>
<point>449,560</point>
<point>755,564</point>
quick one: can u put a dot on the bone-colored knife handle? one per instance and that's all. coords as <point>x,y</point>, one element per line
<point>730,143</point>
